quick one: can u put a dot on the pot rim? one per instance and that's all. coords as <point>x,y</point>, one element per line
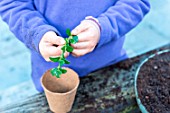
<point>68,92</point>
<point>141,106</point>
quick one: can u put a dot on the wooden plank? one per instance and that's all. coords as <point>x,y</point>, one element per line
<point>108,90</point>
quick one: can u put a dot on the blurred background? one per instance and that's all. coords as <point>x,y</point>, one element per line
<point>15,66</point>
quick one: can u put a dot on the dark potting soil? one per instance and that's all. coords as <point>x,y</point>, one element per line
<point>153,84</point>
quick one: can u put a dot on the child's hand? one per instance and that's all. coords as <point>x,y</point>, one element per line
<point>50,45</point>
<point>88,33</point>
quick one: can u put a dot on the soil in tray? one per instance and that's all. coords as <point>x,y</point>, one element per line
<point>153,84</point>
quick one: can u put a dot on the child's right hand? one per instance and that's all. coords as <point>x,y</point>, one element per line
<point>50,45</point>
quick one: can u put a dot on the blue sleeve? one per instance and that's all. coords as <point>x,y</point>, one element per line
<point>27,24</point>
<point>121,18</point>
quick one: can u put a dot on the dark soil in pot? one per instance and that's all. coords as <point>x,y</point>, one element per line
<point>153,84</point>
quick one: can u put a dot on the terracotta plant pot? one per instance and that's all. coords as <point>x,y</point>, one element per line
<point>60,92</point>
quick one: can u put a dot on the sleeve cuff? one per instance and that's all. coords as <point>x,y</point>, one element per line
<point>105,33</point>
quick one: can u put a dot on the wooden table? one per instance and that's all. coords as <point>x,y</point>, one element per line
<point>108,90</point>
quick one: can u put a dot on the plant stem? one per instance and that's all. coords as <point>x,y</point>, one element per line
<point>61,59</point>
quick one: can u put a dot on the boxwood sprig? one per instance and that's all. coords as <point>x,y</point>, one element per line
<point>58,71</point>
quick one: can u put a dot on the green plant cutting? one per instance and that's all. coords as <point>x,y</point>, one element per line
<point>58,71</point>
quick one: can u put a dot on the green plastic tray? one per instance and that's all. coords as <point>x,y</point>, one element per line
<point>141,106</point>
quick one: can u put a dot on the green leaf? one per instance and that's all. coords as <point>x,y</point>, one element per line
<point>68,32</point>
<point>54,59</point>
<point>61,62</point>
<point>69,48</point>
<point>63,70</point>
<point>53,71</point>
<point>66,61</point>
<point>58,73</point>
<point>75,38</point>
<point>63,48</point>
<point>72,41</point>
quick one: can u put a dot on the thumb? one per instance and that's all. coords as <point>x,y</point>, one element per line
<point>57,40</point>
<point>80,28</point>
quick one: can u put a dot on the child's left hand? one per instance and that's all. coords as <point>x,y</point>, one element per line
<point>88,33</point>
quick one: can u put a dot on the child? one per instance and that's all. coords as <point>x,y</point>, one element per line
<point>100,25</point>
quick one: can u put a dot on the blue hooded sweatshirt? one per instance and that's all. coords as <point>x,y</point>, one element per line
<point>29,20</point>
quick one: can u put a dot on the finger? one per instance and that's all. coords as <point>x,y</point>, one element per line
<point>81,45</point>
<point>80,28</point>
<point>79,52</point>
<point>66,54</point>
<point>84,36</point>
<point>54,51</point>
<point>57,40</point>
